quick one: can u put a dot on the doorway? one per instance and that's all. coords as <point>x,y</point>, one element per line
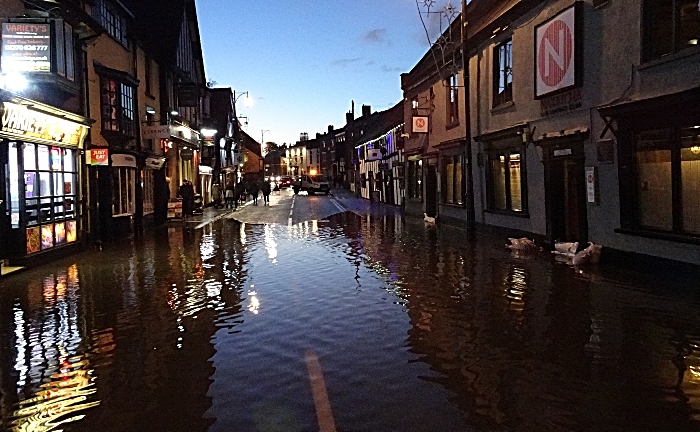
<point>431,191</point>
<point>567,218</point>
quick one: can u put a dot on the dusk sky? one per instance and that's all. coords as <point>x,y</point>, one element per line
<point>304,61</point>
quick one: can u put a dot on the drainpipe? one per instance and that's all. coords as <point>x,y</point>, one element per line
<point>467,120</point>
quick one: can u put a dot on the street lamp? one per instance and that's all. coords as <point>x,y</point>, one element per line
<point>248,100</point>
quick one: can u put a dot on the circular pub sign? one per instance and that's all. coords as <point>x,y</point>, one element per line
<point>186,154</point>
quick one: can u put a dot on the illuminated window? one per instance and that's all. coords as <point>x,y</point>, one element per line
<point>117,101</point>
<point>123,193</point>
<point>454,191</point>
<point>668,179</point>
<point>505,181</point>
<point>503,73</point>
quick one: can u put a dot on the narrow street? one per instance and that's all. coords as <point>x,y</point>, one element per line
<point>335,313</point>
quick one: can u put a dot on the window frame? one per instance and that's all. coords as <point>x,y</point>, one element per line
<point>452,101</point>
<point>503,94</point>
<point>506,151</point>
<point>633,213</point>
<point>414,180</point>
<point>122,113</point>
<point>458,198</point>
<point>114,22</point>
<point>650,20</point>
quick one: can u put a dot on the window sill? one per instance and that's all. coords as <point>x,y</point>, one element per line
<point>678,238</point>
<point>452,125</point>
<point>523,215</point>
<point>687,52</point>
<point>502,106</point>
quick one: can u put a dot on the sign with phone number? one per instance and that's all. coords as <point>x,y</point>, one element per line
<point>26,47</point>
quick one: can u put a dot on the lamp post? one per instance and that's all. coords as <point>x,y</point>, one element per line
<point>262,141</point>
<point>471,216</point>
<point>239,148</point>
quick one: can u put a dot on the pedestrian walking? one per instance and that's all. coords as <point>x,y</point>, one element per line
<point>254,190</point>
<point>187,194</point>
<point>239,193</point>
<point>216,195</point>
<point>266,192</point>
<point>230,195</point>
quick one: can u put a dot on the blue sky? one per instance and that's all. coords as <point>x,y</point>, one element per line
<point>304,61</point>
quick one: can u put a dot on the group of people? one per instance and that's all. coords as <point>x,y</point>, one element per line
<point>238,192</point>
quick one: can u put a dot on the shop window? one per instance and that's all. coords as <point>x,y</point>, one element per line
<point>117,101</point>
<point>503,73</point>
<point>50,195</point>
<point>123,192</point>
<point>668,179</point>
<point>454,181</point>
<point>670,26</point>
<point>451,85</point>
<point>505,181</point>
<point>415,179</point>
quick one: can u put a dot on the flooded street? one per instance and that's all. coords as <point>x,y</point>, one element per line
<point>415,328</point>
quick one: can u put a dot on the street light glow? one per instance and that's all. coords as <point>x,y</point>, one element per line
<point>14,82</point>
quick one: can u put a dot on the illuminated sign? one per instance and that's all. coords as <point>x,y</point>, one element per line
<point>98,156</point>
<point>26,47</point>
<point>19,122</point>
<point>155,132</point>
<point>420,124</point>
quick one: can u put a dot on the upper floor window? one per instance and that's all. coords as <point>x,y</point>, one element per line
<point>452,100</point>
<point>503,73</point>
<point>113,21</point>
<point>670,26</point>
<point>118,107</point>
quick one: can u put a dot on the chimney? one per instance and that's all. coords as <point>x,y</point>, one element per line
<point>330,128</point>
<point>349,117</point>
<point>366,110</point>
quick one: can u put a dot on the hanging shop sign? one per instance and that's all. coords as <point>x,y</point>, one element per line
<point>420,124</point>
<point>26,47</point>
<point>186,154</point>
<point>556,52</point>
<point>155,132</point>
<point>20,122</point>
<point>155,163</point>
<point>124,160</point>
<point>98,157</point>
<point>185,134</point>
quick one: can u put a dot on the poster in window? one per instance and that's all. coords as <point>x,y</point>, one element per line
<point>60,233</point>
<point>67,188</point>
<point>46,237</point>
<point>33,240</point>
<point>71,231</point>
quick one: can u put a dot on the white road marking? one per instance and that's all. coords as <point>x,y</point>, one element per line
<point>324,413</point>
<point>338,205</point>
<point>212,220</point>
<point>291,211</point>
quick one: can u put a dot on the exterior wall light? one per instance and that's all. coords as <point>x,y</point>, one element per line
<point>13,81</point>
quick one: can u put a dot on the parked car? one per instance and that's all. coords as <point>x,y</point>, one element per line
<point>311,184</point>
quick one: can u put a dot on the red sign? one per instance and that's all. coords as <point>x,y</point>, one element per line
<point>556,53</point>
<point>99,156</point>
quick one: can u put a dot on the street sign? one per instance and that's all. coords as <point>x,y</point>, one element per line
<point>555,53</point>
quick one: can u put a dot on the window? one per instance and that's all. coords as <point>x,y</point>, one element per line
<point>415,179</point>
<point>50,195</point>
<point>503,73</point>
<point>670,26</point>
<point>668,179</point>
<point>454,181</point>
<point>112,21</point>
<point>505,180</point>
<point>452,100</point>
<point>117,100</point>
<point>123,191</point>
<point>148,76</point>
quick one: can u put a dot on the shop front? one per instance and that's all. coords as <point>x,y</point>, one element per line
<point>40,217</point>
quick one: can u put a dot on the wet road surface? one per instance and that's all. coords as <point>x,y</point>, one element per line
<point>403,326</point>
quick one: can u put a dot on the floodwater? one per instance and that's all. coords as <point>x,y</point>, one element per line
<point>415,328</point>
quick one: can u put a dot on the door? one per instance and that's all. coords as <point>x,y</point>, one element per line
<point>567,218</point>
<point>431,191</point>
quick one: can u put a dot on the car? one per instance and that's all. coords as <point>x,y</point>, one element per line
<point>285,182</point>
